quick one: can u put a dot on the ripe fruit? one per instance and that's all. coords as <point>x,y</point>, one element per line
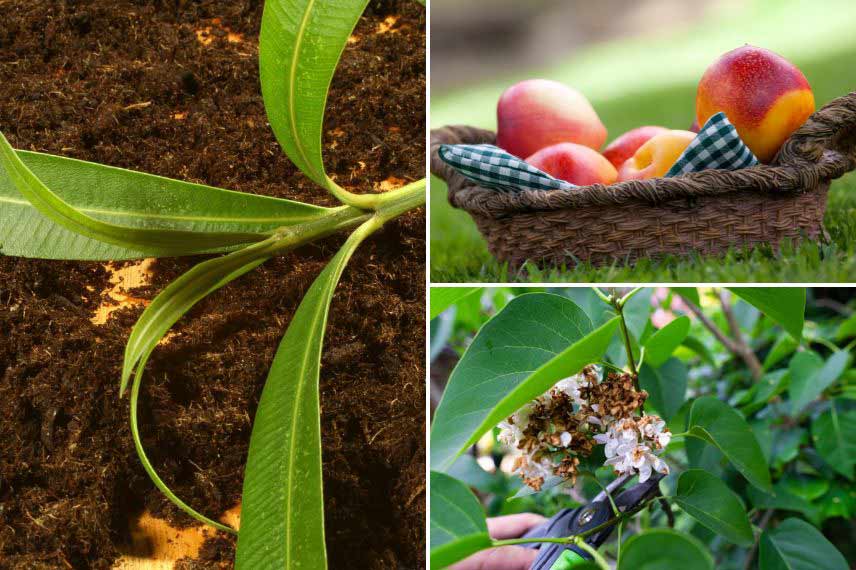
<point>627,144</point>
<point>656,157</point>
<point>574,163</point>
<point>538,113</point>
<point>764,96</point>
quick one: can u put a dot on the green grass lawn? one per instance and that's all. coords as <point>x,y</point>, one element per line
<point>662,75</point>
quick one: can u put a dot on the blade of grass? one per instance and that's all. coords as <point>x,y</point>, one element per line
<point>152,241</point>
<point>282,513</point>
<point>300,44</point>
<point>128,198</point>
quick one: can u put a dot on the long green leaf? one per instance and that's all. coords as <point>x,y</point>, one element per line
<point>527,333</point>
<point>178,298</point>
<point>300,44</point>
<point>444,297</point>
<point>282,514</point>
<point>708,499</point>
<point>722,426</point>
<point>169,306</point>
<point>797,545</point>
<point>151,241</point>
<point>127,198</point>
<point>785,305</point>
<point>458,525</point>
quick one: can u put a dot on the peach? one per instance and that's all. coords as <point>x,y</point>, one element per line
<point>627,144</point>
<point>537,113</point>
<point>574,163</point>
<point>764,96</point>
<point>656,157</point>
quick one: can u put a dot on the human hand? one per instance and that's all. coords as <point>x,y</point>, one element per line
<point>505,557</point>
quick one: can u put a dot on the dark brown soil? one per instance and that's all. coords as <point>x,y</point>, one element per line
<point>70,481</point>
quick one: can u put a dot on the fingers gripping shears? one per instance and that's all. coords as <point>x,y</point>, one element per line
<point>568,522</point>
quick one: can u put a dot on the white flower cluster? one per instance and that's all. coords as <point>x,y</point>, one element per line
<point>631,444</point>
<point>532,464</point>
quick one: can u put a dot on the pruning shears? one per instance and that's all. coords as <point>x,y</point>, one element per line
<point>567,522</point>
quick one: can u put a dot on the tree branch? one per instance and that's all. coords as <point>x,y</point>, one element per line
<point>750,556</point>
<point>738,349</point>
<point>745,350</point>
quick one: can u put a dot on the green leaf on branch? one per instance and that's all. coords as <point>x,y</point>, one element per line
<point>300,44</point>
<point>151,241</point>
<point>458,525</point>
<point>722,426</point>
<point>282,512</point>
<point>797,545</point>
<point>660,345</point>
<point>785,305</point>
<point>708,500</point>
<point>534,342</point>
<point>664,549</point>
<point>666,386</point>
<point>834,437</point>
<point>810,376</point>
<point>444,297</point>
<point>134,199</point>
<point>784,346</point>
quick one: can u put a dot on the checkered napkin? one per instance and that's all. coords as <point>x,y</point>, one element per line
<point>716,146</point>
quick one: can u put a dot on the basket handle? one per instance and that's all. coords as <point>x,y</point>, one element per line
<point>826,142</point>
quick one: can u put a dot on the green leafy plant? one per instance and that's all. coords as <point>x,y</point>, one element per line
<point>58,208</point>
<point>756,394</point>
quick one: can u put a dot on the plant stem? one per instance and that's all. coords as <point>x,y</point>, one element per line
<point>598,558</point>
<point>628,296</point>
<point>394,204</point>
<point>765,520</point>
<point>619,308</point>
<point>603,296</point>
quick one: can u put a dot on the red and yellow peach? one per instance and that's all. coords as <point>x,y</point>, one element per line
<point>538,113</point>
<point>764,96</point>
<point>656,157</point>
<point>625,146</point>
<point>574,163</point>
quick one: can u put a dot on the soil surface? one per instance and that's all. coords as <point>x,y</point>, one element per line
<point>171,88</point>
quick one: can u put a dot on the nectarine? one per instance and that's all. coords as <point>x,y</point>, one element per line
<point>538,113</point>
<point>574,163</point>
<point>627,144</point>
<point>656,157</point>
<point>764,96</point>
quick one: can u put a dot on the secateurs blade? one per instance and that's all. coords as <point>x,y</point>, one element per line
<point>568,522</point>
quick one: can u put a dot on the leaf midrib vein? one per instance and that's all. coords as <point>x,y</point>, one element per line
<point>121,214</point>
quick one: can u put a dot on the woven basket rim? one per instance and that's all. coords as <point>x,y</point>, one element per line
<point>823,149</point>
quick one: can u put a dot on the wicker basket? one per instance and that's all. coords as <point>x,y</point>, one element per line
<point>706,212</point>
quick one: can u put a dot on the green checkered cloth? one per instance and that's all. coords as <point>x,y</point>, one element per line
<point>716,146</point>
<point>492,167</point>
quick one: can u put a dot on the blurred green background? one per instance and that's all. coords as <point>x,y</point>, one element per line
<point>638,63</point>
